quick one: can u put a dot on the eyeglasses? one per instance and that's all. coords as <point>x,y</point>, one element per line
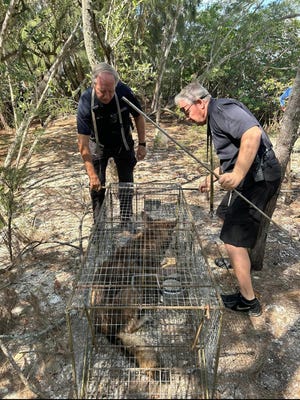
<point>186,111</point>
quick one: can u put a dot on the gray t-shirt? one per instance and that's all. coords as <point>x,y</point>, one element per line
<point>228,120</point>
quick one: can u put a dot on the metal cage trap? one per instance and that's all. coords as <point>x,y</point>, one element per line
<point>144,317</point>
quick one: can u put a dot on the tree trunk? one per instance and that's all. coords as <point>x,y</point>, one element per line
<point>88,32</point>
<point>5,24</point>
<point>21,132</point>
<point>289,133</point>
<point>3,122</point>
<point>168,39</point>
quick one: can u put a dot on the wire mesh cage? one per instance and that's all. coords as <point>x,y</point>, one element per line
<point>144,317</point>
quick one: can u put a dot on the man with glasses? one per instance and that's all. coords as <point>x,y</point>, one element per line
<point>104,129</point>
<point>248,165</point>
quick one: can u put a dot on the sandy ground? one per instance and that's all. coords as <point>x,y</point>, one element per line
<point>259,357</point>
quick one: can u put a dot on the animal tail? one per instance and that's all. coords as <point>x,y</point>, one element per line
<point>145,355</point>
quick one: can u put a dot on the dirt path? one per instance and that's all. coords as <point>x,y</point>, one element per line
<point>259,357</point>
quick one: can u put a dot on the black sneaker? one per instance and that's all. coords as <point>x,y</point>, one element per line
<point>230,298</point>
<point>237,302</point>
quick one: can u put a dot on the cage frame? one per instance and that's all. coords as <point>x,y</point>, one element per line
<point>82,306</point>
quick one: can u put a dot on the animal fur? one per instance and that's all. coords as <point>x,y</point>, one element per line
<point>111,321</point>
<point>120,323</point>
<point>140,255</point>
<point>145,356</point>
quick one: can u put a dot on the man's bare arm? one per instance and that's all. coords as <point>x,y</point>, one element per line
<point>250,142</point>
<point>83,146</point>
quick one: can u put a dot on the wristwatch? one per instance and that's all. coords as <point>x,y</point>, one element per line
<point>142,144</point>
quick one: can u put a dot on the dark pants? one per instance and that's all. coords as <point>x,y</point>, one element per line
<point>241,220</point>
<point>125,162</point>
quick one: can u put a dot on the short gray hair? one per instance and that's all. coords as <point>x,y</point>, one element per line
<point>192,92</point>
<point>104,67</point>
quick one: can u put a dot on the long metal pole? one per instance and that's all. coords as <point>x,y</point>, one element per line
<point>205,165</point>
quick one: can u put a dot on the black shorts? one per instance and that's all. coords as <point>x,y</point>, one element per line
<point>241,220</point>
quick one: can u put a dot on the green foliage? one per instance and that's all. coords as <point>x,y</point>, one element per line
<point>11,205</point>
<point>54,107</point>
<point>140,77</point>
<point>12,181</point>
<point>37,32</point>
<point>236,48</point>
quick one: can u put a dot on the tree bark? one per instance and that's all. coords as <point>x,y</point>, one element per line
<point>168,39</point>
<point>12,5</point>
<point>87,22</point>
<point>22,130</point>
<point>289,133</point>
<point>3,122</point>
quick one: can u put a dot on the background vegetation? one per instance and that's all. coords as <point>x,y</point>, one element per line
<point>244,49</point>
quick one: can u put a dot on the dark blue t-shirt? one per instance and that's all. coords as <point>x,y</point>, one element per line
<point>228,120</point>
<point>107,118</point>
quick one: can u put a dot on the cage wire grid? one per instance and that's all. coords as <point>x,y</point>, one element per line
<point>144,317</point>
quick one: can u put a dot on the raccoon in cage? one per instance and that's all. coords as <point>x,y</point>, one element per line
<point>120,323</point>
<point>122,278</point>
<point>141,254</point>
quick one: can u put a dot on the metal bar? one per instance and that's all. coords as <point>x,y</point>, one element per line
<point>205,166</point>
<point>198,333</point>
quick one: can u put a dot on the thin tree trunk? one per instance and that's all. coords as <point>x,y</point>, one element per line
<point>288,175</point>
<point>22,130</point>
<point>88,32</point>
<point>168,39</point>
<point>12,5</point>
<point>284,145</point>
<point>4,123</point>
<point>167,43</point>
